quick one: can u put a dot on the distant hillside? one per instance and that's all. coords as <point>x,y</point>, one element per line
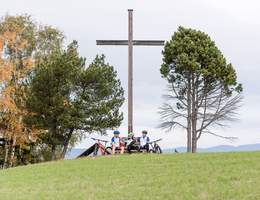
<point>73,153</point>
<point>221,148</point>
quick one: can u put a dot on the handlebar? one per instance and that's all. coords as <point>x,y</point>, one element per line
<point>154,141</point>
<point>96,139</point>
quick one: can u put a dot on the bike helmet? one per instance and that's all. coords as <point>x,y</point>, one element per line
<point>131,134</point>
<point>116,132</point>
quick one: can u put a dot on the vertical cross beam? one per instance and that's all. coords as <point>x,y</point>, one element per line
<point>130,70</point>
<point>130,43</point>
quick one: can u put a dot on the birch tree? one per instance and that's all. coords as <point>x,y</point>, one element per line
<point>23,43</point>
<point>16,45</point>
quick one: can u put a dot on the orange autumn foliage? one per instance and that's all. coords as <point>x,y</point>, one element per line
<point>14,68</point>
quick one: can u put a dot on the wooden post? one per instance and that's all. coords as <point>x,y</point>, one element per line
<point>130,71</point>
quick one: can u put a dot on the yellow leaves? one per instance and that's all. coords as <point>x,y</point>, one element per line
<point>13,39</point>
<point>14,67</point>
<point>10,38</point>
<point>7,103</point>
<point>1,43</point>
<point>14,62</point>
<point>6,70</point>
<point>28,63</point>
<point>13,115</point>
<point>15,127</point>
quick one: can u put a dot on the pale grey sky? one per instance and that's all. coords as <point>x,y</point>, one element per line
<point>234,25</point>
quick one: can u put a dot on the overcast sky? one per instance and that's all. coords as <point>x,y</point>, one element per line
<point>234,25</point>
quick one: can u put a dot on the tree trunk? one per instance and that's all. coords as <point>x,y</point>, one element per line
<point>66,144</point>
<point>194,115</point>
<point>189,116</point>
<point>5,165</point>
<point>194,145</point>
<point>19,156</point>
<point>12,152</point>
<point>53,152</point>
<point>54,143</point>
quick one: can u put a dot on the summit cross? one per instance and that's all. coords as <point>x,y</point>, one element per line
<point>130,43</point>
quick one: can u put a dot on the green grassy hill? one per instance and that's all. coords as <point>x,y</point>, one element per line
<point>233,176</point>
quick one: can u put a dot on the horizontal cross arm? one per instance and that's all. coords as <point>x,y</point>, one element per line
<point>112,42</point>
<point>148,42</point>
<point>135,42</point>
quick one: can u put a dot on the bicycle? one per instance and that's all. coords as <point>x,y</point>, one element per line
<point>155,148</point>
<point>104,150</point>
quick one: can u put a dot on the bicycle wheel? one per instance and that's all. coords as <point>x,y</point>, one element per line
<point>151,151</point>
<point>108,150</point>
<point>158,149</point>
<point>95,152</point>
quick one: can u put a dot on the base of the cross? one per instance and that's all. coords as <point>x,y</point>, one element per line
<point>130,129</point>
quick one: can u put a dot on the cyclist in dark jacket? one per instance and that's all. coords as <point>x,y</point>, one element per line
<point>131,143</point>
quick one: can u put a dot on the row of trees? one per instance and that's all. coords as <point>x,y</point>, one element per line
<point>49,97</point>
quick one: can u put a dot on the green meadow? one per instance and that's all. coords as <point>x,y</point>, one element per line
<point>216,176</point>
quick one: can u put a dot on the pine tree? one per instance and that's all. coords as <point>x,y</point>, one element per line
<point>203,87</point>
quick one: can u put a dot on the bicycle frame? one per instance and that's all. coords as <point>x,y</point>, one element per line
<point>100,146</point>
<point>154,145</point>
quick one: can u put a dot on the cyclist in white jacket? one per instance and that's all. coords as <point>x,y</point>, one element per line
<point>144,139</point>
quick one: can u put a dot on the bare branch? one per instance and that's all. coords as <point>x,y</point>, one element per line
<point>170,125</point>
<point>231,139</point>
<point>181,99</point>
<point>226,112</point>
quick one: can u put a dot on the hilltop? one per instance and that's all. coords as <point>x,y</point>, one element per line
<point>172,176</point>
<point>73,153</point>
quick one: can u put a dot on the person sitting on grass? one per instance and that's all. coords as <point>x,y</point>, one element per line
<point>117,144</point>
<point>144,139</point>
<point>131,143</point>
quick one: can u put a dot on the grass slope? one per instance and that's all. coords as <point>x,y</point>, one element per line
<point>234,176</point>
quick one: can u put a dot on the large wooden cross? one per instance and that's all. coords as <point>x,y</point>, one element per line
<point>130,43</point>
